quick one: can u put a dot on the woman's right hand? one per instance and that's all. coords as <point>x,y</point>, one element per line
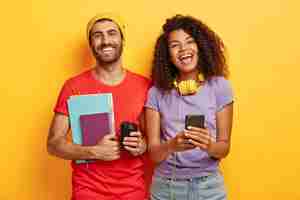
<point>179,143</point>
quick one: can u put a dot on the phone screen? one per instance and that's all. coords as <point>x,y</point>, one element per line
<point>194,120</point>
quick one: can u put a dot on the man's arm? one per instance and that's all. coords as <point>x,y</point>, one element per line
<point>57,144</point>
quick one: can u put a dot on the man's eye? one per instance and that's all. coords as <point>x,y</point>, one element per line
<point>113,33</point>
<point>96,36</point>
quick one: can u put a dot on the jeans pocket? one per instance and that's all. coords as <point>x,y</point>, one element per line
<point>214,181</point>
<point>213,187</point>
<point>160,189</point>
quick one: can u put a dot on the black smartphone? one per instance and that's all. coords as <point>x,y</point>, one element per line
<point>126,129</point>
<point>194,120</point>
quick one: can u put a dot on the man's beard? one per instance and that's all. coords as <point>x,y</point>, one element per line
<point>106,61</point>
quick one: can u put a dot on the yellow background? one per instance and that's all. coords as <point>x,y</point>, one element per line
<point>43,43</point>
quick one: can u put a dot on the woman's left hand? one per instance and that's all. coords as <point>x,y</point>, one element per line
<point>199,137</point>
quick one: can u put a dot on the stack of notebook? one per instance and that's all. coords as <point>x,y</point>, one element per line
<point>91,117</point>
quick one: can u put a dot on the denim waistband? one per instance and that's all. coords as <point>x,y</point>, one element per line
<point>200,178</point>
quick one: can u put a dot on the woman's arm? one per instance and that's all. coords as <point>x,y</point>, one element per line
<point>160,151</point>
<point>221,147</point>
<point>202,138</point>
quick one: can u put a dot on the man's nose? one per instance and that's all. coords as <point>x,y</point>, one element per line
<point>105,39</point>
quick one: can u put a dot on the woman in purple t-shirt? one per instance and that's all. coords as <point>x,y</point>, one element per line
<point>189,71</point>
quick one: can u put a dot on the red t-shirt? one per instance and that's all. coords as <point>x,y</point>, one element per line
<point>118,179</point>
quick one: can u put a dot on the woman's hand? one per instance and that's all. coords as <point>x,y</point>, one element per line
<point>179,143</point>
<point>199,137</point>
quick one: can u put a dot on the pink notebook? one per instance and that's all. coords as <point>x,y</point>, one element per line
<point>94,127</point>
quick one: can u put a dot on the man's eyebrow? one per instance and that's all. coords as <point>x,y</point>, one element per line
<point>112,30</point>
<point>96,32</point>
<point>109,30</point>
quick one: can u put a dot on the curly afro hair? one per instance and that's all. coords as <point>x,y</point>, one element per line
<point>211,62</point>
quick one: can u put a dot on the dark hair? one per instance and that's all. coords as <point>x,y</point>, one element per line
<point>211,62</point>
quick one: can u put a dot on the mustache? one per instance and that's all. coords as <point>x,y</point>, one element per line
<point>105,46</point>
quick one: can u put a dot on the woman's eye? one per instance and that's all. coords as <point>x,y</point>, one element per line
<point>173,45</point>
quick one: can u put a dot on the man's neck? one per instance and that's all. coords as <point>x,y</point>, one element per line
<point>110,74</point>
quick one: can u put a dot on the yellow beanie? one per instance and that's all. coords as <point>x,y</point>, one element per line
<point>115,18</point>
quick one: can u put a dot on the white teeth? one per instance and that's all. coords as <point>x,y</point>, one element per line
<point>185,56</point>
<point>107,49</point>
<point>186,61</point>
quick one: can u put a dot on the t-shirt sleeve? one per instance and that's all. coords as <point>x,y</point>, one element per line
<point>152,99</point>
<point>148,86</point>
<point>223,91</point>
<point>61,103</point>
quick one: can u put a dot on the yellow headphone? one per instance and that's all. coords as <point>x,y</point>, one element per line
<point>189,87</point>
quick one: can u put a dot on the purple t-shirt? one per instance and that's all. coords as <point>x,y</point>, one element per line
<point>173,108</point>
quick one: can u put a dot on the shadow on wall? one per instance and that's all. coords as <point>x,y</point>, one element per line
<point>78,59</point>
<point>56,172</point>
<point>84,56</point>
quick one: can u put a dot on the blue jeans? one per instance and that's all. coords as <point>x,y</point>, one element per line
<point>209,187</point>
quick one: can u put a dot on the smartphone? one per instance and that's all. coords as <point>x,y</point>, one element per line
<point>194,120</point>
<point>126,129</point>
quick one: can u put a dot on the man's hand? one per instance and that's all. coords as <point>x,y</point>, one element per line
<point>107,149</point>
<point>135,144</point>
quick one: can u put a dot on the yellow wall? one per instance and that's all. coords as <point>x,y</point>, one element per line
<point>43,43</point>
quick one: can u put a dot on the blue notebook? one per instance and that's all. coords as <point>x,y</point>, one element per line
<point>88,104</point>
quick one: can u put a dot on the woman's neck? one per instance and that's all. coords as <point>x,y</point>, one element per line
<point>188,76</point>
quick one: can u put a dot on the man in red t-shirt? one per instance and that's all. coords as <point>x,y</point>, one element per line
<point>116,174</point>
